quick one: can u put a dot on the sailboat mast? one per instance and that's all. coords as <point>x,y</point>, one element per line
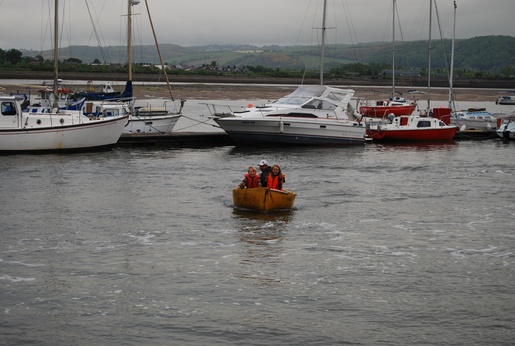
<point>56,55</point>
<point>393,49</point>
<point>451,75</point>
<point>159,51</point>
<point>429,58</point>
<point>322,51</point>
<point>129,38</point>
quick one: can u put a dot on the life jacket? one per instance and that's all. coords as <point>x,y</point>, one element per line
<point>252,182</point>
<point>276,181</point>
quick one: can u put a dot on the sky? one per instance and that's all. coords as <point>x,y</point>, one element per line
<point>25,24</point>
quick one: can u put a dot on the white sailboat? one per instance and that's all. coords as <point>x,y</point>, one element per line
<point>396,105</point>
<point>147,119</point>
<point>54,130</point>
<point>311,115</point>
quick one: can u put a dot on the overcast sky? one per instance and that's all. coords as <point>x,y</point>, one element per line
<point>25,23</point>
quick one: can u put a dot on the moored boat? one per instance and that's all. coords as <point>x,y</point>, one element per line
<point>311,115</point>
<point>54,131</point>
<point>474,119</point>
<point>506,100</point>
<point>142,120</point>
<point>147,119</point>
<point>64,98</point>
<point>411,128</point>
<point>51,129</point>
<point>382,108</point>
<point>107,92</point>
<point>507,129</point>
<point>263,199</point>
<point>396,105</point>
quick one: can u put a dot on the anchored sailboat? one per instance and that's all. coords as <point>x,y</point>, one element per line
<point>47,129</point>
<point>149,119</point>
<point>396,105</point>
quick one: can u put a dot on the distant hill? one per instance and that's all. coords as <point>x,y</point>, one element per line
<point>484,53</point>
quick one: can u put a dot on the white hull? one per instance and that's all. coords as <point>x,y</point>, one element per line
<point>46,131</point>
<point>477,120</point>
<point>288,130</point>
<point>141,121</point>
<point>151,124</point>
<point>89,135</point>
<point>506,100</point>
<point>507,129</point>
<point>475,124</point>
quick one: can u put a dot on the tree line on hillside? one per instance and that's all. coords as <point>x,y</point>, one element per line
<point>487,57</point>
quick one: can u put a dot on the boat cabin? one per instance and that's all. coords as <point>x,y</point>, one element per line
<point>9,112</point>
<point>416,122</point>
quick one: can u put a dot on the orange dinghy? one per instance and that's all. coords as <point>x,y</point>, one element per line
<point>263,199</point>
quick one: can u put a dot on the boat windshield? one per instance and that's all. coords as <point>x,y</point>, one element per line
<point>294,101</point>
<point>304,94</point>
<point>320,104</point>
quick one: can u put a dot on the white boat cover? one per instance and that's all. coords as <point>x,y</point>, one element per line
<point>304,93</point>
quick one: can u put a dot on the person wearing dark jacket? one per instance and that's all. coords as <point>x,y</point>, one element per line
<point>265,171</point>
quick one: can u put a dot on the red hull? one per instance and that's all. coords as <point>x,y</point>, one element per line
<point>411,135</point>
<point>384,111</point>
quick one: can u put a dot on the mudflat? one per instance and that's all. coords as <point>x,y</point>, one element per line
<point>258,91</point>
<point>271,92</point>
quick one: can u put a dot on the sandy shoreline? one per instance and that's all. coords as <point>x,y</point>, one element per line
<point>256,91</point>
<point>225,91</point>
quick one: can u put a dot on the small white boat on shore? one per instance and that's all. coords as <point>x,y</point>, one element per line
<point>506,100</point>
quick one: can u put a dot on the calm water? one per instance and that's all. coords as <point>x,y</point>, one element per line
<point>387,245</point>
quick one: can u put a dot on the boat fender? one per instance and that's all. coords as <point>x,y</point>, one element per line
<point>499,122</point>
<point>281,127</point>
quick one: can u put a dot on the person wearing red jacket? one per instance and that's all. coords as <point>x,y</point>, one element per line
<point>276,179</point>
<point>251,179</point>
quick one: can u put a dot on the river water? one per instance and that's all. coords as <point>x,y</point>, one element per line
<point>386,245</point>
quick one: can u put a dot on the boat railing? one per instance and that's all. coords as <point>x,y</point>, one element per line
<point>220,110</point>
<point>167,106</point>
<point>174,106</point>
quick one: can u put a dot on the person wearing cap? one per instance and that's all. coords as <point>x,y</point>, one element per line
<point>265,171</point>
